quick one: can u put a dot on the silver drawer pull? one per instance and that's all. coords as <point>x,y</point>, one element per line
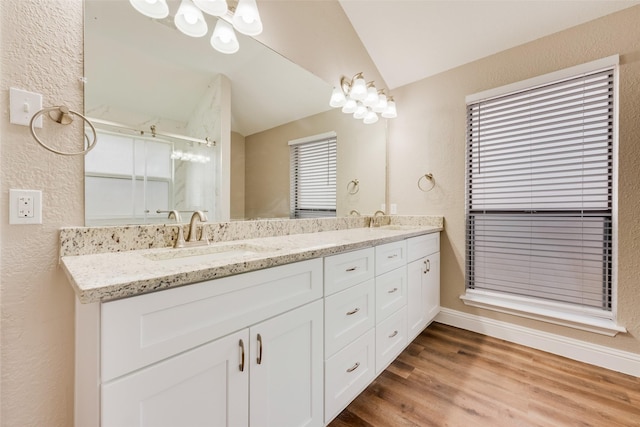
<point>392,256</point>
<point>352,269</point>
<point>393,290</point>
<point>259,359</point>
<point>354,367</point>
<point>393,334</point>
<point>354,311</point>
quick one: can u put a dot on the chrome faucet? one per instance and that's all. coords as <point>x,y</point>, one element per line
<point>175,215</point>
<point>354,212</point>
<point>192,237</point>
<point>374,219</point>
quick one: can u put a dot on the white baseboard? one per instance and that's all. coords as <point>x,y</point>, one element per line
<point>594,354</point>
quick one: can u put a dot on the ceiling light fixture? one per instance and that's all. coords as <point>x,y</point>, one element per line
<point>356,96</point>
<point>190,20</point>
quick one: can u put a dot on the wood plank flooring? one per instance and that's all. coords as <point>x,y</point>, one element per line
<point>452,377</point>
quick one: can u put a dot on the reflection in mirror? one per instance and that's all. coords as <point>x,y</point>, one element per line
<point>143,73</point>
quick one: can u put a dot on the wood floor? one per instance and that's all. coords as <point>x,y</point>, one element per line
<point>452,377</point>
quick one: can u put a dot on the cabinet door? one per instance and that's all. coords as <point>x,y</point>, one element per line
<point>207,386</point>
<point>286,369</point>
<point>423,280</point>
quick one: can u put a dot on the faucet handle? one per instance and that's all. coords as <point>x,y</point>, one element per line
<point>180,242</point>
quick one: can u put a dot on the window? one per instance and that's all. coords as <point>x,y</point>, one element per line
<point>313,176</point>
<point>539,196</point>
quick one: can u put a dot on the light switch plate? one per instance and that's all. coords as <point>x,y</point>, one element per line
<point>23,105</point>
<point>25,207</point>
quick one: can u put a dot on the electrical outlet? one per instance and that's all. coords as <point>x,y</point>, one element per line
<point>394,208</point>
<point>25,207</point>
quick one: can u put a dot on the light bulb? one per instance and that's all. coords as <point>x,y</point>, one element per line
<point>361,112</point>
<point>370,118</point>
<point>337,98</point>
<point>358,89</point>
<point>382,103</point>
<point>224,39</point>
<point>189,20</point>
<point>156,9</point>
<point>350,106</point>
<point>390,112</point>
<point>372,97</point>
<point>246,18</point>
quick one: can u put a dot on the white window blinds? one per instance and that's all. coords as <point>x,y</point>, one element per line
<point>313,178</point>
<point>539,192</point>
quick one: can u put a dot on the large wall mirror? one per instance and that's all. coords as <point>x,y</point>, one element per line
<point>182,126</point>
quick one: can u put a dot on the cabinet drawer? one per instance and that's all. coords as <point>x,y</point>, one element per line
<point>348,373</point>
<point>344,270</point>
<point>141,330</point>
<point>421,246</point>
<point>391,338</point>
<point>391,293</point>
<point>390,256</point>
<point>347,315</point>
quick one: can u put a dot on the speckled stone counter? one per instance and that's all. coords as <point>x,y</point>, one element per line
<point>104,272</point>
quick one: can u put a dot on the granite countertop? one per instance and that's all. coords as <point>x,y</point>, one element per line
<point>107,276</point>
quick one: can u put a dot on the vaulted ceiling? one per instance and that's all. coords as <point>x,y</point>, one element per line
<point>409,40</point>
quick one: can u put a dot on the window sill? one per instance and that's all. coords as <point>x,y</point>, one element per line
<point>591,320</point>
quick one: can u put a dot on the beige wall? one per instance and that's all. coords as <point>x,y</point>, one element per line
<point>361,155</point>
<point>429,136</point>
<point>41,51</point>
<point>237,176</point>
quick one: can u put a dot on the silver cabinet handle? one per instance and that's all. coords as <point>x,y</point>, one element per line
<point>352,269</point>
<point>428,265</point>
<point>393,290</point>
<point>259,360</point>
<point>241,343</point>
<point>392,256</point>
<point>426,269</point>
<point>354,367</point>
<point>393,334</point>
<point>354,311</point>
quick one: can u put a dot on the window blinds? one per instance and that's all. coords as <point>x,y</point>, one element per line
<point>539,192</point>
<point>313,178</point>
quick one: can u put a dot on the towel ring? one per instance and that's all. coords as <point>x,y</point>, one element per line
<point>61,114</point>
<point>353,186</point>
<point>428,177</point>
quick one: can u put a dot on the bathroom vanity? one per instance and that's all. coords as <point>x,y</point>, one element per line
<point>274,331</point>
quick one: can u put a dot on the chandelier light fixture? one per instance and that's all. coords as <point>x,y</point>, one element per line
<point>189,19</point>
<point>362,99</point>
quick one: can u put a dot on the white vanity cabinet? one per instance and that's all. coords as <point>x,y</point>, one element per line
<point>236,351</point>
<point>423,277</point>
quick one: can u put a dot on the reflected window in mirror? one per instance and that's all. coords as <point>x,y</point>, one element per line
<point>313,166</point>
<point>138,179</point>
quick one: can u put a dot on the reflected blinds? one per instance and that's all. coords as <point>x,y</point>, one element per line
<point>539,192</point>
<point>313,178</point>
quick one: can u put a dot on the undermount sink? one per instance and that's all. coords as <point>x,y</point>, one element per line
<point>204,254</point>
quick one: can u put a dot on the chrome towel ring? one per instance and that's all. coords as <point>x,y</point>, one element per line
<point>61,114</point>
<point>429,177</point>
<point>353,186</point>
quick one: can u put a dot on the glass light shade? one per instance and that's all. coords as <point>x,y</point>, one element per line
<point>382,103</point>
<point>370,117</point>
<point>390,112</point>
<point>350,106</point>
<point>212,7</point>
<point>224,38</point>
<point>246,18</point>
<point>189,20</point>
<point>337,98</point>
<point>361,112</point>
<point>156,9</point>
<point>358,89</point>
<point>372,97</point>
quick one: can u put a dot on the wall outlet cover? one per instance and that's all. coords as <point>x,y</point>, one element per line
<point>25,206</point>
